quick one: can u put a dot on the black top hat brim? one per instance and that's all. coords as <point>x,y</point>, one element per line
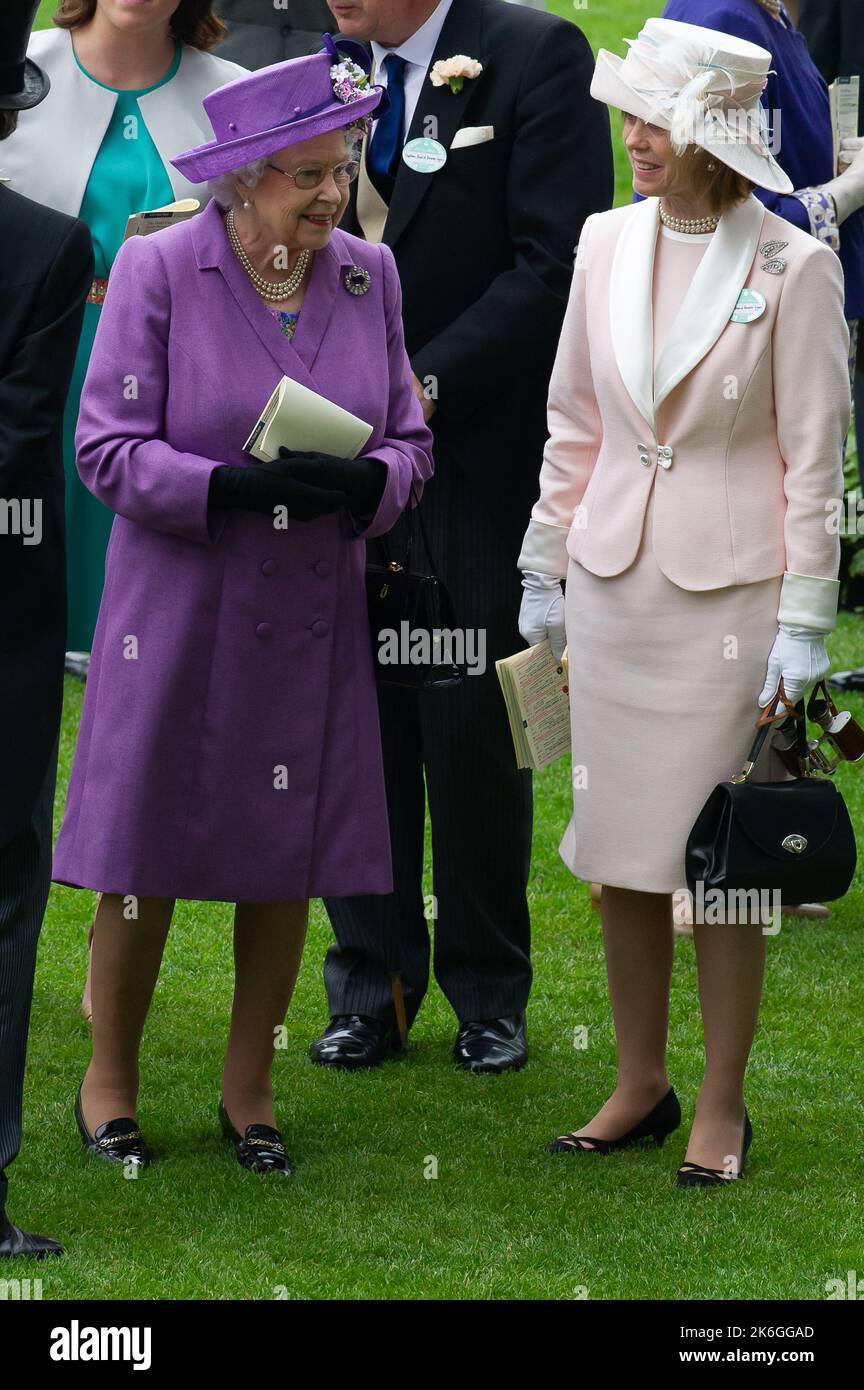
<point>35,89</point>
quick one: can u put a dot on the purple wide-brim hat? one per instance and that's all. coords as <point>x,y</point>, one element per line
<point>281,105</point>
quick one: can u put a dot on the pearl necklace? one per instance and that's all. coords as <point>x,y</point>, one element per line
<point>272,290</point>
<point>772,6</point>
<point>695,226</point>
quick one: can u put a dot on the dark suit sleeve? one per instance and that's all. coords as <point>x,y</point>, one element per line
<point>34,386</point>
<point>821,23</point>
<point>559,172</point>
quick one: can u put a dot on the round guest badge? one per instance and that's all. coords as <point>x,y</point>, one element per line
<point>751,306</point>
<point>424,156</point>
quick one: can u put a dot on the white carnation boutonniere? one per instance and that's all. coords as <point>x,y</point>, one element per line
<point>454,71</point>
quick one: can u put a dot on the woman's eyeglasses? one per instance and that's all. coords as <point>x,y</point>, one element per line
<point>314,175</point>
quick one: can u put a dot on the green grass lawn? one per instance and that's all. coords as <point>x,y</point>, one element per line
<point>502,1219</point>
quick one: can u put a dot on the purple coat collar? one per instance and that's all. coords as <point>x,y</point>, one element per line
<point>213,252</point>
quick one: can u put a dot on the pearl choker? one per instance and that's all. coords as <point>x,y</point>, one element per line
<point>272,290</point>
<point>695,227</point>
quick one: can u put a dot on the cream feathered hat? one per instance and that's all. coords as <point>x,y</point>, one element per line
<point>703,86</point>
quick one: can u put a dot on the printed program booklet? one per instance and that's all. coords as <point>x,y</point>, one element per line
<point>537,696</point>
<point>143,223</point>
<point>297,418</point>
<point>845,97</point>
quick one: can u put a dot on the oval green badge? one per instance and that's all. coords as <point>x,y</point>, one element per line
<point>751,306</point>
<point>424,156</point>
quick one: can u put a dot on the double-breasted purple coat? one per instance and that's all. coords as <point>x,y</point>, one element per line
<point>229,745</point>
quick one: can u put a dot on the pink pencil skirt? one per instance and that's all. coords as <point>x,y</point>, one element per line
<point>664,684</point>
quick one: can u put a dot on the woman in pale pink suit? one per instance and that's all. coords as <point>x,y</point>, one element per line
<point>697,415</point>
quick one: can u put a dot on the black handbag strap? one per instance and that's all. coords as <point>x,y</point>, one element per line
<point>764,728</point>
<point>421,524</point>
<point>383,542</point>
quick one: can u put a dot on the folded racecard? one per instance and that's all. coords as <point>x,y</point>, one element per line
<point>297,418</point>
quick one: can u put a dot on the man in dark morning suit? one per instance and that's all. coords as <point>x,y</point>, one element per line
<point>484,246</point>
<point>46,269</point>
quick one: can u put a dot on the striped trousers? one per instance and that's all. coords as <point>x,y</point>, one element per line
<point>454,746</point>
<point>25,880</point>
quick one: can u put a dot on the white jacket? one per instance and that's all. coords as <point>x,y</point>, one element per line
<point>50,155</point>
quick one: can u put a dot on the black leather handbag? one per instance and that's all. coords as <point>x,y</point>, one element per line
<point>792,837</point>
<point>411,618</point>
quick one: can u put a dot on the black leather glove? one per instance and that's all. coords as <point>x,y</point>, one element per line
<point>360,482</point>
<point>261,487</point>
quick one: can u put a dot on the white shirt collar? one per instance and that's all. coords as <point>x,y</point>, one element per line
<point>419,48</point>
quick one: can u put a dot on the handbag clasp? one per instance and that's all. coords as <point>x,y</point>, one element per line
<point>796,844</point>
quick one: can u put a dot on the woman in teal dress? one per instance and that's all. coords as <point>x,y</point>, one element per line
<point>126,90</point>
<point>128,176</point>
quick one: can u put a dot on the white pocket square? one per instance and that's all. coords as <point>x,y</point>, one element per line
<point>472,135</point>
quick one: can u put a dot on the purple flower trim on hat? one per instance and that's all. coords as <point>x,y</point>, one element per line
<point>350,69</point>
<point>350,82</point>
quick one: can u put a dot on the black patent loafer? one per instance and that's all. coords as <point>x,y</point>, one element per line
<point>260,1148</point>
<point>117,1141</point>
<point>352,1041</point>
<point>493,1045</point>
<point>14,1242</point>
<point>77,664</point>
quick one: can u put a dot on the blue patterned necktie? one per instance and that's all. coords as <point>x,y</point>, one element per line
<point>386,146</point>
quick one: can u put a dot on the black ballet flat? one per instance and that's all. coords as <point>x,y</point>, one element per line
<point>117,1141</point>
<point>261,1148</point>
<point>694,1175</point>
<point>657,1125</point>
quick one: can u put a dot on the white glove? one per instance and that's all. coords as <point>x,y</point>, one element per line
<point>799,656</point>
<point>848,150</point>
<point>542,611</point>
<point>847,189</point>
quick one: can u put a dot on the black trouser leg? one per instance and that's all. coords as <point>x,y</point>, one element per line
<point>480,803</point>
<point>378,934</point>
<point>25,880</point>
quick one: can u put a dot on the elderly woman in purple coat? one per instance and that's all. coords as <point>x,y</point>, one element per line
<point>229,746</point>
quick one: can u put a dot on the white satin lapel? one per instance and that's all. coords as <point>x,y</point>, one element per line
<point>712,296</point>
<point>631,314</point>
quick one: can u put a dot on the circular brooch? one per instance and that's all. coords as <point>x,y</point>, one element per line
<point>357,280</point>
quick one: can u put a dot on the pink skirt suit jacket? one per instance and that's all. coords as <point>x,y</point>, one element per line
<point>684,496</point>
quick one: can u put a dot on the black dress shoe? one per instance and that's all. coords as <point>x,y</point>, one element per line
<point>848,680</point>
<point>260,1148</point>
<point>493,1045</point>
<point>77,664</point>
<point>694,1175</point>
<point>658,1124</point>
<point>117,1141</point>
<point>14,1241</point>
<point>351,1041</point>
